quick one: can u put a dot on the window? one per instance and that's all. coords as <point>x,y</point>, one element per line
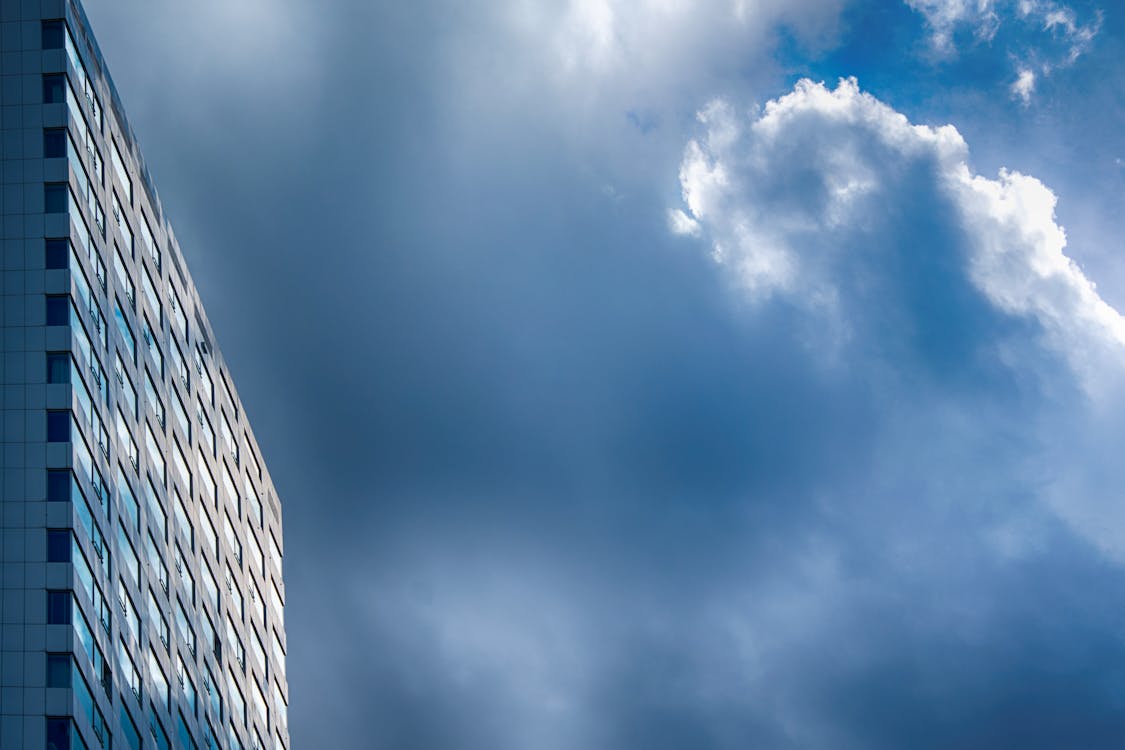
<point>208,481</point>
<point>278,605</point>
<point>155,456</point>
<point>58,485</point>
<point>123,276</point>
<point>128,610</point>
<point>153,347</point>
<point>54,143</point>
<point>235,643</point>
<point>58,367</point>
<point>257,562</point>
<point>58,545</point>
<point>122,172</point>
<point>186,684</point>
<point>232,493</point>
<point>183,625</point>
<point>179,366</point>
<point>258,650</point>
<point>157,618</point>
<point>128,392</point>
<point>128,444</point>
<point>212,689</point>
<point>130,561</point>
<point>179,413</point>
<point>232,538</point>
<point>150,293</point>
<point>127,500</point>
<point>150,243</point>
<point>58,607</point>
<point>55,197</point>
<point>183,521</point>
<point>205,424</point>
<point>54,89</point>
<point>129,728</point>
<point>180,463</point>
<point>159,736</point>
<point>155,508</point>
<point>177,312</point>
<point>154,402</point>
<point>58,427</point>
<point>235,593</point>
<point>238,703</point>
<point>209,531</point>
<point>206,384</point>
<point>58,734</point>
<point>186,578</point>
<point>156,562</point>
<point>122,223</point>
<point>58,310</point>
<point>255,510</point>
<point>159,680</point>
<point>126,331</point>
<point>57,253</point>
<point>275,551</point>
<point>212,588</point>
<point>228,436</point>
<point>58,670</point>
<point>52,35</point>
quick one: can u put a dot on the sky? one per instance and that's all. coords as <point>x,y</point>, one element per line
<point>665,374</point>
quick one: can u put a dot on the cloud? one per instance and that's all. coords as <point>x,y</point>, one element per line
<point>1047,35</point>
<point>794,198</point>
<point>945,16</point>
<point>1024,85</point>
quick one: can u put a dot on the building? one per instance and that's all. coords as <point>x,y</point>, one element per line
<point>141,599</point>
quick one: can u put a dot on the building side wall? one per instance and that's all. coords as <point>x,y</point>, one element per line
<point>132,485</point>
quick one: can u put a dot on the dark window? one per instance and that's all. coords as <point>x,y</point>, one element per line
<point>58,485</point>
<point>58,427</point>
<point>58,607</point>
<point>53,35</point>
<point>54,197</point>
<point>54,89</point>
<point>58,311</point>
<point>54,143</point>
<point>58,670</point>
<point>58,545</point>
<point>58,734</point>
<point>58,367</point>
<point>57,253</point>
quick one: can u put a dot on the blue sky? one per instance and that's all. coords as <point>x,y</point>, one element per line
<point>727,374</point>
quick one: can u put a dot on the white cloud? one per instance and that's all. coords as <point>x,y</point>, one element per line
<point>831,202</point>
<point>1024,85</point>
<point>1057,36</point>
<point>782,198</point>
<point>945,16</point>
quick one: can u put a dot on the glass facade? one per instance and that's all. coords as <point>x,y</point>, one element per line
<point>139,627</point>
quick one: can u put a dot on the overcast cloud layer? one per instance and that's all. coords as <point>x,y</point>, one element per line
<point>633,376</point>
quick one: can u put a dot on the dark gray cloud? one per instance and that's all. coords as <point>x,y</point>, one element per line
<point>550,478</point>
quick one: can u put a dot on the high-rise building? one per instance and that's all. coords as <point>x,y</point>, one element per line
<point>141,595</point>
